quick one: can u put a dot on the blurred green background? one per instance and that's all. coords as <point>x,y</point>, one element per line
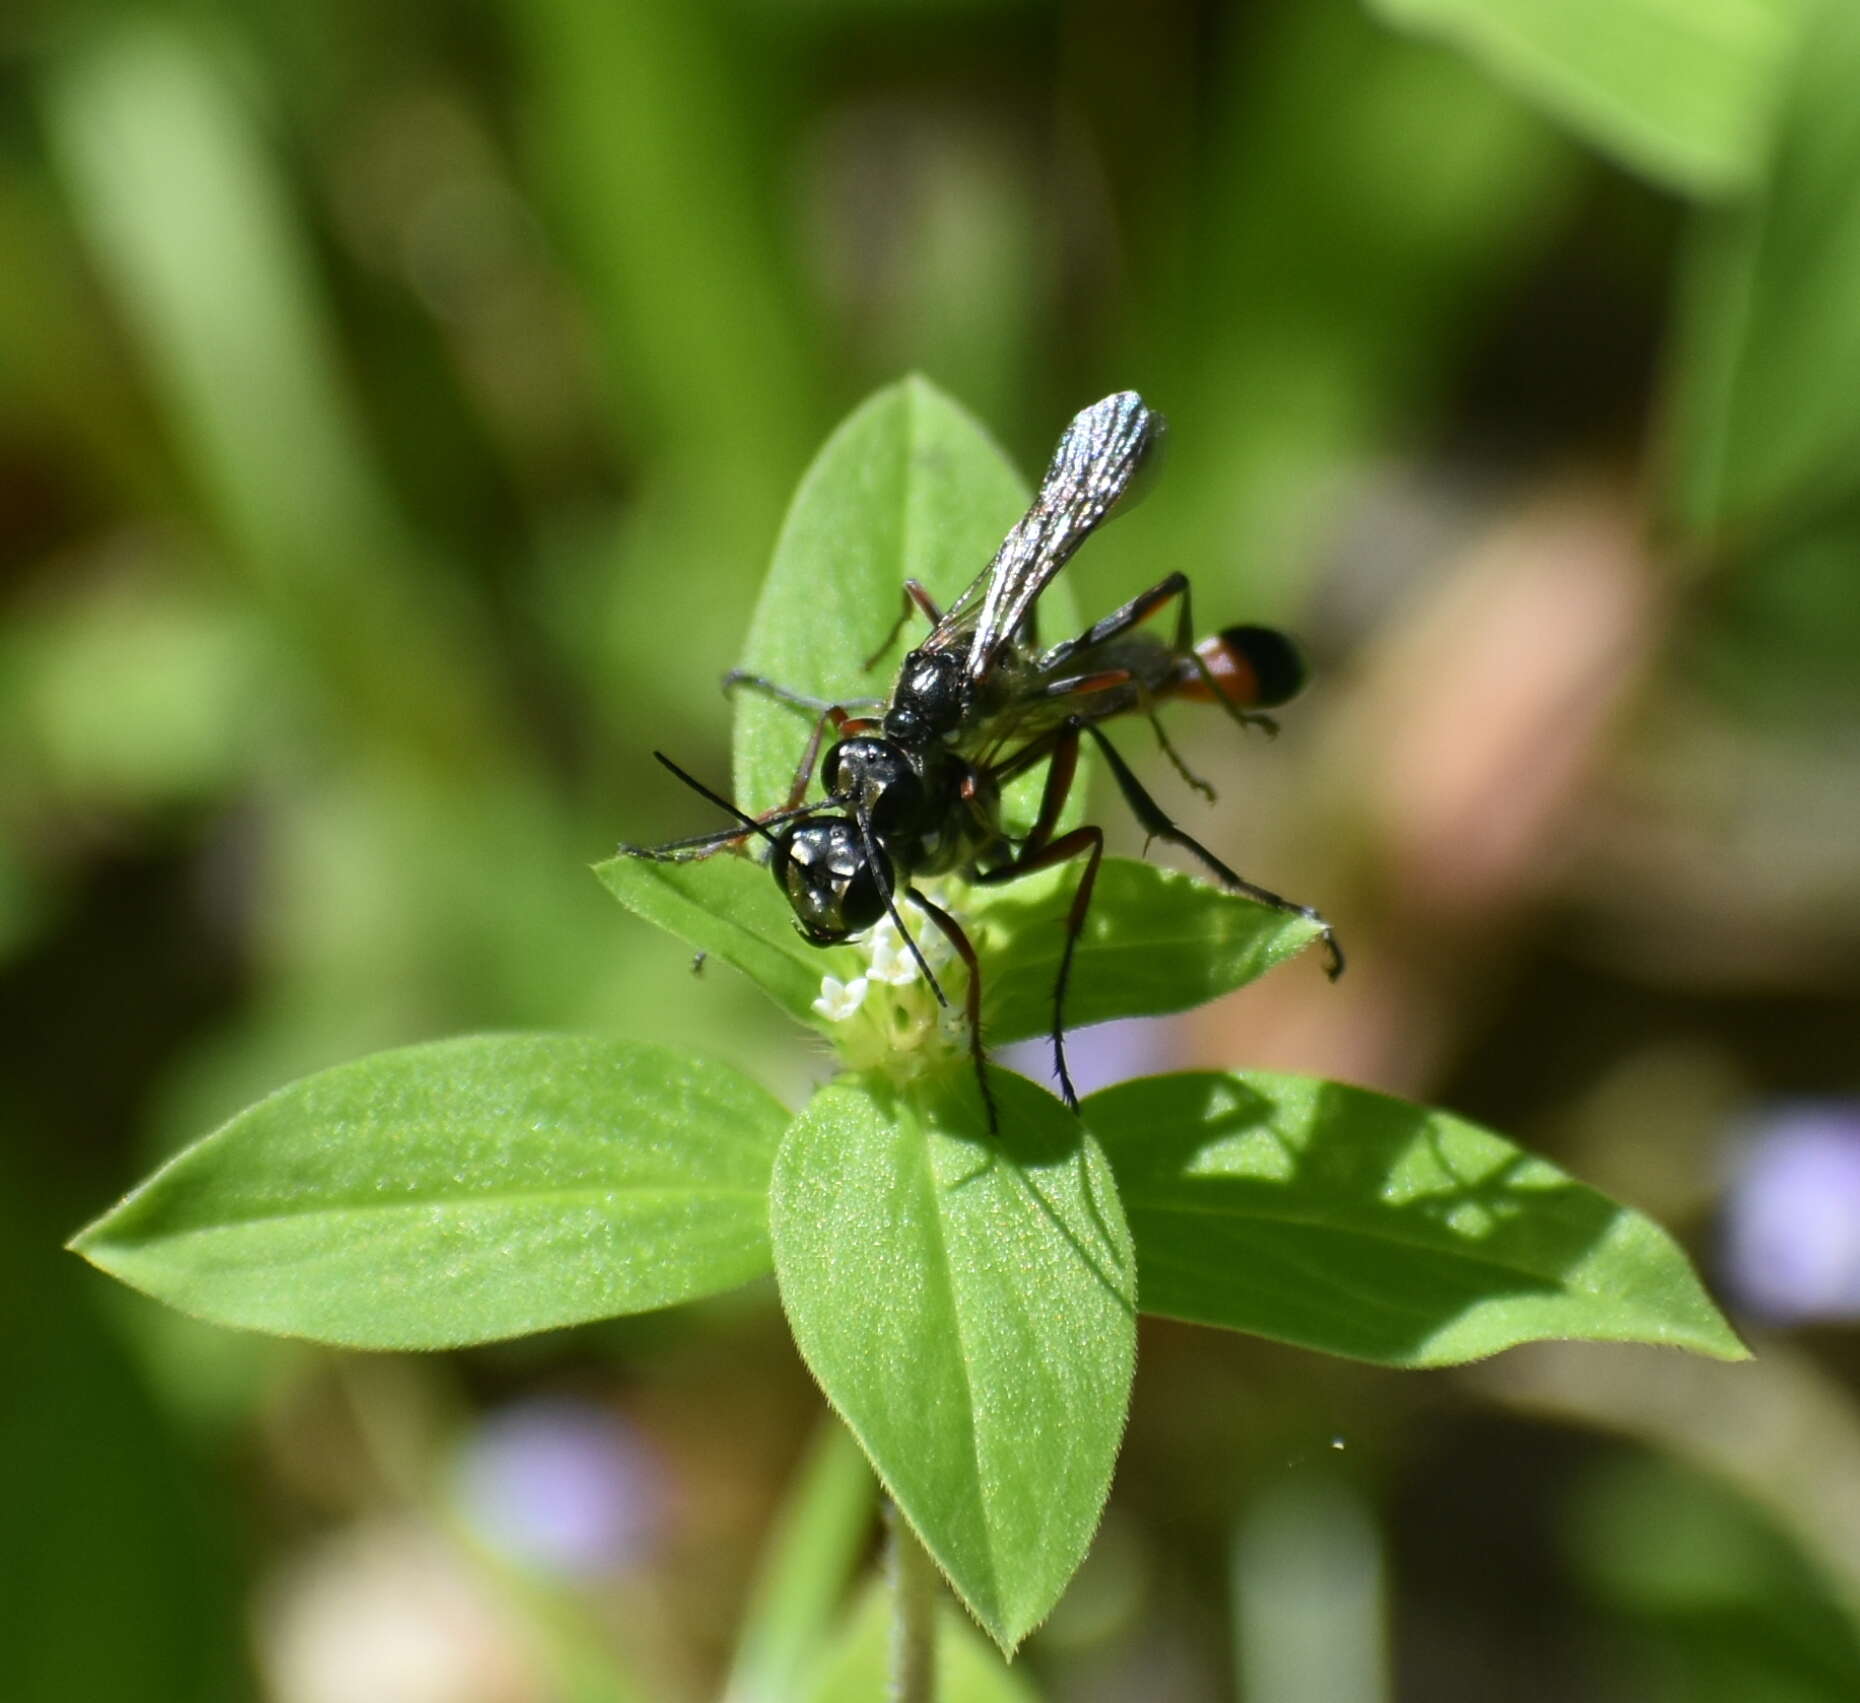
<point>397,406</point>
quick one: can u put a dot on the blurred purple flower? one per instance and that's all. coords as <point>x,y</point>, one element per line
<point>1100,1056</point>
<point>1792,1228</point>
<point>559,1484</point>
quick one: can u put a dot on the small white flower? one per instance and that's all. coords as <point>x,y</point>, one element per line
<point>840,1000</point>
<point>888,1015</point>
<point>892,962</point>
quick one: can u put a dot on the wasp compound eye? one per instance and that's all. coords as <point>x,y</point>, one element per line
<point>821,866</point>
<point>1256,668</point>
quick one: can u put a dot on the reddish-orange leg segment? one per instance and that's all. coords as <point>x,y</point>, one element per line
<point>914,597</point>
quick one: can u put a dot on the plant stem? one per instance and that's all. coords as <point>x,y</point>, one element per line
<point>913,1612</point>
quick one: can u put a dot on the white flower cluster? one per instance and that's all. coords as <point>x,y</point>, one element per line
<point>888,1014</point>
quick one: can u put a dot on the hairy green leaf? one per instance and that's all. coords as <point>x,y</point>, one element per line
<point>458,1192</point>
<point>966,1303</point>
<point>1358,1224</point>
<point>1154,941</point>
<point>728,906</point>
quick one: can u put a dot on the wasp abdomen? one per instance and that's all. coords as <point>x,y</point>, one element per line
<point>1255,668</point>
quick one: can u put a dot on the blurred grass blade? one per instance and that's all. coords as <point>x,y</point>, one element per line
<point>1358,1224</point>
<point>171,178</point>
<point>1308,1596</point>
<point>967,1671</point>
<point>191,224</point>
<point>812,1554</point>
<point>646,114</point>
<point>1680,93</point>
<point>1767,411</point>
<point>1365,199</point>
<point>60,358</point>
<point>119,1543</point>
<point>1670,1549</point>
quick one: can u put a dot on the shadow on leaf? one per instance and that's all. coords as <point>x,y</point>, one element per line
<point>1351,1222</point>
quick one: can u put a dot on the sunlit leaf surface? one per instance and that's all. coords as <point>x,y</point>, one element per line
<point>458,1192</point>
<point>1359,1224</point>
<point>966,1303</point>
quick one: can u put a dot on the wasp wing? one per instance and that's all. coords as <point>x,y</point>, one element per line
<point>1098,458</point>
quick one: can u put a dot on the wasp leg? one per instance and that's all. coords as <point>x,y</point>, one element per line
<point>1175,757</point>
<point>1159,827</point>
<point>1172,588</point>
<point>972,1005</point>
<point>1042,851</point>
<point>787,695</point>
<point>1111,679</point>
<point>1132,614</point>
<point>696,846</point>
<point>804,770</point>
<point>689,850</point>
<point>1085,685</point>
<point>914,597</point>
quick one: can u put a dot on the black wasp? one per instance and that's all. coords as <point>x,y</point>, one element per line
<point>915,789</point>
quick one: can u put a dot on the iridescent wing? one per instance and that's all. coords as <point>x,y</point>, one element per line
<point>1098,458</point>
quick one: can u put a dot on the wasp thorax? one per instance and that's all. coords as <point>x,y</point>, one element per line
<point>928,700</point>
<point>820,864</point>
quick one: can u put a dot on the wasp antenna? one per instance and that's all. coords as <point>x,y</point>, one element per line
<point>722,803</point>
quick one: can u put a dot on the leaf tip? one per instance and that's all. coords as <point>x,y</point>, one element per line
<point>90,1242</point>
<point>1722,1344</point>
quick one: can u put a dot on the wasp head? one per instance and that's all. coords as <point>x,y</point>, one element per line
<point>877,779</point>
<point>824,871</point>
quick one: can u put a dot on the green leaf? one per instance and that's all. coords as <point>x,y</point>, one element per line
<point>728,906</point>
<point>967,1671</point>
<point>1678,90</point>
<point>1767,415</point>
<point>112,1507</point>
<point>967,1306</point>
<point>1358,1224</point>
<point>1709,1581</point>
<point>819,1537</point>
<point>909,487</point>
<point>1153,941</point>
<point>458,1192</point>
